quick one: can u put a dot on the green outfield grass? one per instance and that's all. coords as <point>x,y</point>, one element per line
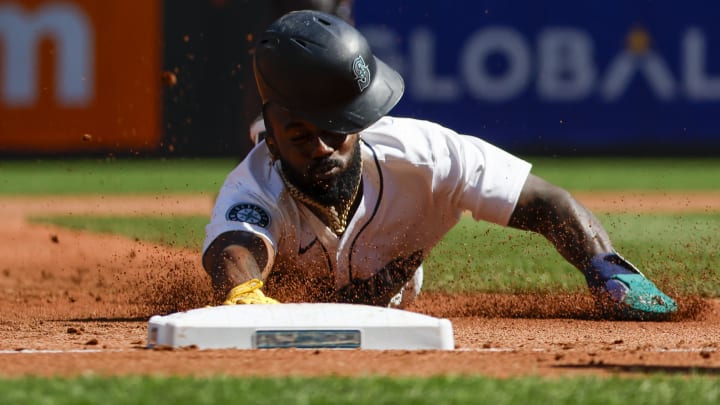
<point>181,231</point>
<point>653,390</point>
<point>595,174</point>
<point>113,176</point>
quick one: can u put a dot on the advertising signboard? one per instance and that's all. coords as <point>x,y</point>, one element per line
<point>557,77</point>
<point>79,75</point>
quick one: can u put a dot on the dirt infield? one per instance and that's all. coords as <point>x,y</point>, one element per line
<point>73,302</point>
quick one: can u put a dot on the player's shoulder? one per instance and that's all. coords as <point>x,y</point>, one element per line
<point>255,173</point>
<point>402,128</point>
<point>407,138</point>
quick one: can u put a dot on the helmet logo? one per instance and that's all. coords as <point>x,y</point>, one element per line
<point>362,73</point>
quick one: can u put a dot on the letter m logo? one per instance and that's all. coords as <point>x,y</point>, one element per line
<point>20,34</point>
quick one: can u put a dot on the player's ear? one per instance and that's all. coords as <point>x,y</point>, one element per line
<point>271,145</point>
<point>269,134</point>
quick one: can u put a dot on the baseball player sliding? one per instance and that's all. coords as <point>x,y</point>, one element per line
<point>342,203</point>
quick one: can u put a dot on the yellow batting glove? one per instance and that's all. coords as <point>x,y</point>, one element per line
<point>248,293</point>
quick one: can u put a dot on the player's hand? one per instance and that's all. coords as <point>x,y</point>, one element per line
<point>622,290</point>
<point>248,293</point>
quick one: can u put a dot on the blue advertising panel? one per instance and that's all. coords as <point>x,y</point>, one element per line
<point>557,77</point>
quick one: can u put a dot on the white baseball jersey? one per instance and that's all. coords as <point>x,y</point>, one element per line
<point>418,178</point>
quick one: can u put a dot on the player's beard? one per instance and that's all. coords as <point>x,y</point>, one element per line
<point>335,192</point>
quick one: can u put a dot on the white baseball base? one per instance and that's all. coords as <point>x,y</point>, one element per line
<point>326,326</point>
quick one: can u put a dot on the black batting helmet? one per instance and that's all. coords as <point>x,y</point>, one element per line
<point>322,69</point>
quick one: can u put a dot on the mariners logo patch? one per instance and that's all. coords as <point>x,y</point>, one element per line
<point>248,213</point>
<point>362,72</point>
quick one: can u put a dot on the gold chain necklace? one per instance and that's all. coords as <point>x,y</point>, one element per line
<point>336,221</point>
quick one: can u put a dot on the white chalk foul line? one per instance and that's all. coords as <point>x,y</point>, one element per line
<point>543,350</point>
<point>462,349</point>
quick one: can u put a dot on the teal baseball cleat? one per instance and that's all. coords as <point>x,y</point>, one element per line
<point>623,292</point>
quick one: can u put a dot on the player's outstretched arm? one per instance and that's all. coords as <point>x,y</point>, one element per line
<point>552,212</point>
<point>234,262</point>
<point>577,234</point>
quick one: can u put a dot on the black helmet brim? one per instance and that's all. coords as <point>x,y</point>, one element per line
<point>383,93</point>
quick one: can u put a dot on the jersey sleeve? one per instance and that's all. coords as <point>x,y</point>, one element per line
<point>468,173</point>
<point>493,179</point>
<point>238,208</point>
